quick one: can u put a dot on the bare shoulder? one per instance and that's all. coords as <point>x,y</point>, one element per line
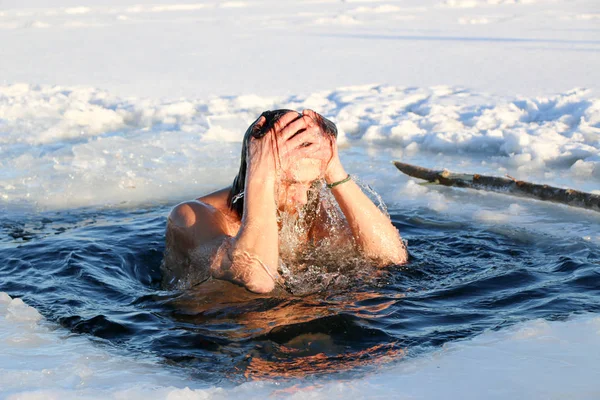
<point>195,230</point>
<point>193,225</point>
<point>207,216</point>
<point>186,214</point>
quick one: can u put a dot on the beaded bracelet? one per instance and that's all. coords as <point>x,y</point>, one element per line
<point>334,184</point>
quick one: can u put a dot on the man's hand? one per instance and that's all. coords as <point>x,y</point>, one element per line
<point>290,139</point>
<point>326,149</point>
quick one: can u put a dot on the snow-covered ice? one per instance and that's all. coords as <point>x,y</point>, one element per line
<point>70,146</point>
<point>200,48</point>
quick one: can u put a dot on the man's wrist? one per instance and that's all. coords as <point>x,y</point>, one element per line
<point>335,175</point>
<point>260,178</point>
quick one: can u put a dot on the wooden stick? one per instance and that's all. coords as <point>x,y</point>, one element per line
<point>512,186</point>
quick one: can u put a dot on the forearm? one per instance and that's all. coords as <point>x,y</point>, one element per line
<point>371,228</point>
<point>258,234</point>
<point>251,257</point>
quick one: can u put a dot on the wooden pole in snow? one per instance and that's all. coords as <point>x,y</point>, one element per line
<point>569,197</point>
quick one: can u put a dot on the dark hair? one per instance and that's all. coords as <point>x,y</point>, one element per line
<point>235,200</point>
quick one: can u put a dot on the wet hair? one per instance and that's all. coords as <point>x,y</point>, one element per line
<point>235,200</point>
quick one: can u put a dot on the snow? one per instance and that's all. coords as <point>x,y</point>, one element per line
<point>66,147</point>
<point>122,102</point>
<point>168,48</point>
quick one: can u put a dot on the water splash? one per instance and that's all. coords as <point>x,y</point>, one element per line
<point>237,197</point>
<point>317,250</point>
<point>371,194</point>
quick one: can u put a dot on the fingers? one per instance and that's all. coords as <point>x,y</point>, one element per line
<point>291,129</point>
<point>293,136</point>
<point>290,123</point>
<point>327,127</point>
<point>257,126</point>
<point>305,123</point>
<point>299,149</point>
<point>284,121</point>
<point>314,118</point>
<point>319,149</point>
<point>309,113</point>
<point>304,139</point>
<point>316,121</point>
<point>311,151</point>
<point>260,122</point>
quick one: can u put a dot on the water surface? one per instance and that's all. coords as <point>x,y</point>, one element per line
<point>97,272</point>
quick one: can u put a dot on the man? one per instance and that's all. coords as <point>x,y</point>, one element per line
<point>233,233</point>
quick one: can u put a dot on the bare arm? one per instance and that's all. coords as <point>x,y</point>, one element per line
<point>371,228</point>
<point>197,237</point>
<point>251,257</point>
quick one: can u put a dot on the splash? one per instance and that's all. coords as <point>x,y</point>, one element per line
<point>317,251</point>
<point>237,197</point>
<point>372,194</point>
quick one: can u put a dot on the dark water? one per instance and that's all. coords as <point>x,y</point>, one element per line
<point>96,272</point>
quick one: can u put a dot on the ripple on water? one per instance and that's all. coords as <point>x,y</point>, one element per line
<point>97,272</point>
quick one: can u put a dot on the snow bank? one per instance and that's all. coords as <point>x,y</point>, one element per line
<point>41,361</point>
<point>536,359</point>
<point>65,147</point>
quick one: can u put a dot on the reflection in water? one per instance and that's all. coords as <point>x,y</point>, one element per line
<point>98,273</point>
<point>298,365</point>
<point>298,335</point>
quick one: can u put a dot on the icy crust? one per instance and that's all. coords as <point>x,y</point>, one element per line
<point>41,361</point>
<point>66,147</point>
<point>535,359</point>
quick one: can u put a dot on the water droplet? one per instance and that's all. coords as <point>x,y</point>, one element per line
<point>237,197</point>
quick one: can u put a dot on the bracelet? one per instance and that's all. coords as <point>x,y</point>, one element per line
<point>334,184</point>
<point>266,269</point>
